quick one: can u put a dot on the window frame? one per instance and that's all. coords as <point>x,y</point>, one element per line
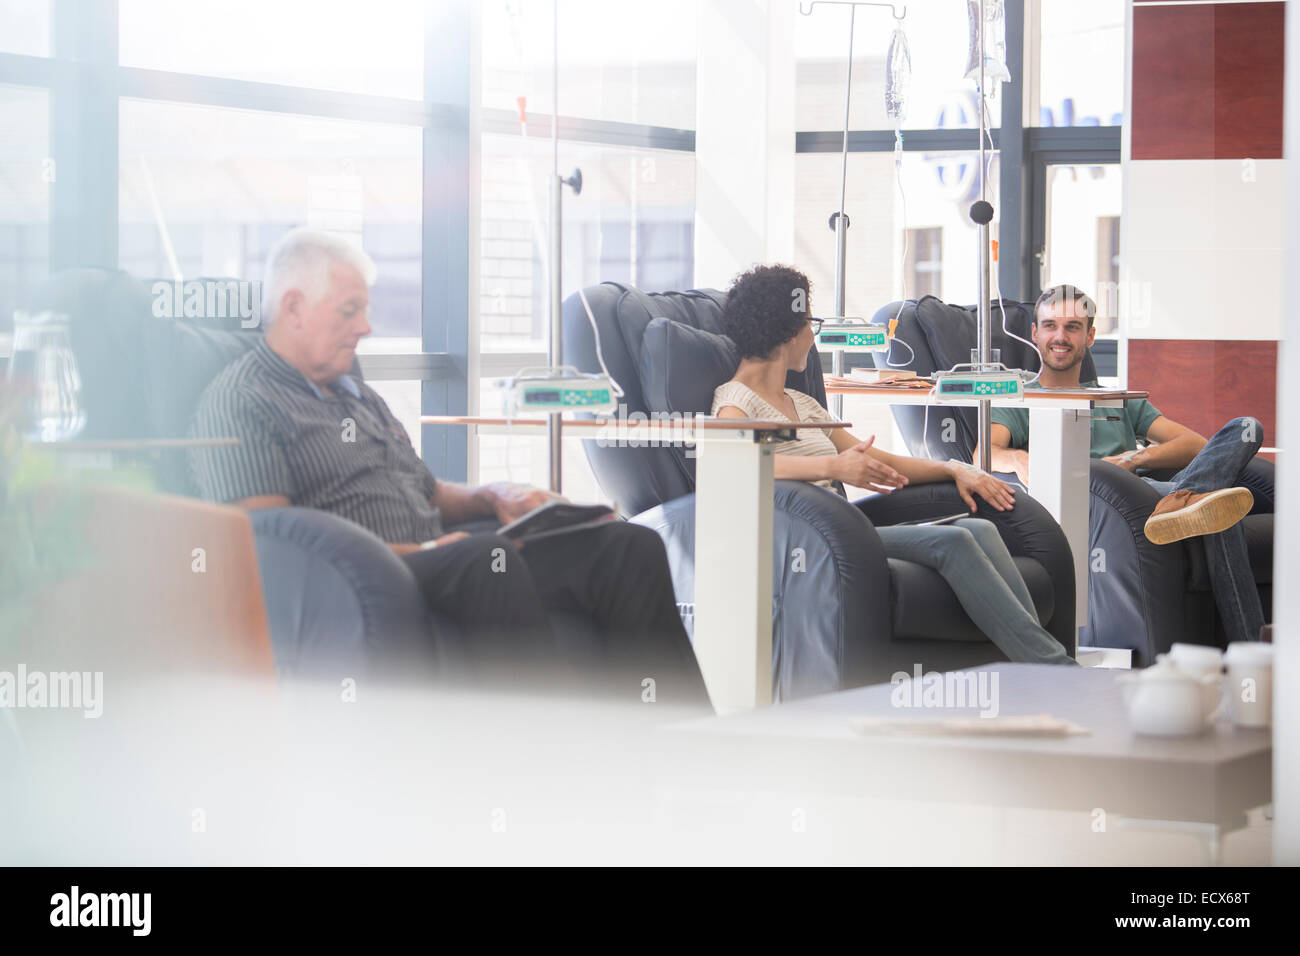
<point>86,83</point>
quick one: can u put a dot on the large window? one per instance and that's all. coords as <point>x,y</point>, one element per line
<point>206,192</point>
<point>25,27</point>
<point>376,47</point>
<point>1107,271</point>
<point>1067,70</point>
<point>939,96</point>
<point>633,222</point>
<point>1081,63</point>
<point>923,267</point>
<point>626,75</point>
<point>225,122</point>
<point>938,187</point>
<point>623,62</point>
<point>1083,214</point>
<point>26,173</point>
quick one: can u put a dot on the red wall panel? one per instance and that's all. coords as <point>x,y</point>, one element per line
<point>1203,384</point>
<point>1207,81</point>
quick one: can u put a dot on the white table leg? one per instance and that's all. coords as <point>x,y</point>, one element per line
<point>733,571</point>
<point>1059,439</point>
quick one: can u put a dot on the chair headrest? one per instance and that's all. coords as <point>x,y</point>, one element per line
<point>681,365</point>
<point>668,352</point>
<point>142,370</point>
<point>949,332</point>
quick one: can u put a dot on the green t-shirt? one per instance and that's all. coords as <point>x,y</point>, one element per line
<point>1108,437</point>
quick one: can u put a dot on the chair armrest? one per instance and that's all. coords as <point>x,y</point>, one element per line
<point>1028,531</point>
<point>339,601</point>
<point>830,586</point>
<point>163,584</point>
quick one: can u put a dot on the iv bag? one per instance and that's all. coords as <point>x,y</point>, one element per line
<point>995,43</point>
<point>898,76</point>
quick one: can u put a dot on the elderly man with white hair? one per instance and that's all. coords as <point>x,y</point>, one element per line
<point>313,434</point>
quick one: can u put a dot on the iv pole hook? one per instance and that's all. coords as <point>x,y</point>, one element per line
<point>851,3</point>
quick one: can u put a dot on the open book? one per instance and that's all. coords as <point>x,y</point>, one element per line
<point>556,517</point>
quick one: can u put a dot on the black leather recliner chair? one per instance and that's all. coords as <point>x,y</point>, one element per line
<point>1149,596</point>
<point>853,617</point>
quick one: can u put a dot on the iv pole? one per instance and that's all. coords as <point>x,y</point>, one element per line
<point>981,213</point>
<point>839,222</point>
<point>555,345</point>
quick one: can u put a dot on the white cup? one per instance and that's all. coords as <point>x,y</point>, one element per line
<point>1250,683</point>
<point>1197,659</point>
<point>1200,661</point>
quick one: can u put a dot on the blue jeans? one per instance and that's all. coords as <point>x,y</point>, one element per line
<point>1219,465</point>
<point>971,557</point>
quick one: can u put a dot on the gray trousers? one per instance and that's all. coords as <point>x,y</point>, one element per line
<point>971,557</point>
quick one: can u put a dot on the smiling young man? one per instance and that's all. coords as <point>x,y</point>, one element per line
<point>1203,499</point>
<point>313,434</point>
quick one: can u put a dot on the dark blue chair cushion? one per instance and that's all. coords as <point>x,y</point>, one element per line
<point>181,359</point>
<point>681,365</point>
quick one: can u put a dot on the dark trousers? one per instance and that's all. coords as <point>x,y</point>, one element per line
<point>503,598</point>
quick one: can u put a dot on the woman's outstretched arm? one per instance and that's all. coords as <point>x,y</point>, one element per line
<point>852,467</point>
<point>969,479</point>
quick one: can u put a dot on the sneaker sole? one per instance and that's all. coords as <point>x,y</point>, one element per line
<point>1217,511</point>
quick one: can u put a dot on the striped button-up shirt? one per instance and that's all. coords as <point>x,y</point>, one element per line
<point>339,449</point>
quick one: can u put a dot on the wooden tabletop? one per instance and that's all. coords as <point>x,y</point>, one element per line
<point>845,386</point>
<point>695,422</point>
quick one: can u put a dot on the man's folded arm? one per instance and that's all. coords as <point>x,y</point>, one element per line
<point>1176,445</point>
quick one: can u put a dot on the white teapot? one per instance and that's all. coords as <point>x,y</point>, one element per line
<point>1166,701</point>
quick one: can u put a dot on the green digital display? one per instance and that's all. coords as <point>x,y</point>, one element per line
<point>568,397</point>
<point>868,339</point>
<point>978,387</point>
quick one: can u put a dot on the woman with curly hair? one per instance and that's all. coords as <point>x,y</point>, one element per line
<point>768,316</point>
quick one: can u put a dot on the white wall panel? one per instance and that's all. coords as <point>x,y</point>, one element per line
<point>1201,249</point>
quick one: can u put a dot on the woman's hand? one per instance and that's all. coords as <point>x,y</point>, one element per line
<point>1127,460</point>
<point>855,466</point>
<point>971,481</point>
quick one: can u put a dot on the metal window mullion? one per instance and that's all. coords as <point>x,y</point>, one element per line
<point>582,130</point>
<point>141,83</point>
<point>84,136</point>
<point>1012,228</point>
<point>449,198</point>
<point>405,366</point>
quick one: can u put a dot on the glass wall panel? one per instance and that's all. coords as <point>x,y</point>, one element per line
<point>206,191</point>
